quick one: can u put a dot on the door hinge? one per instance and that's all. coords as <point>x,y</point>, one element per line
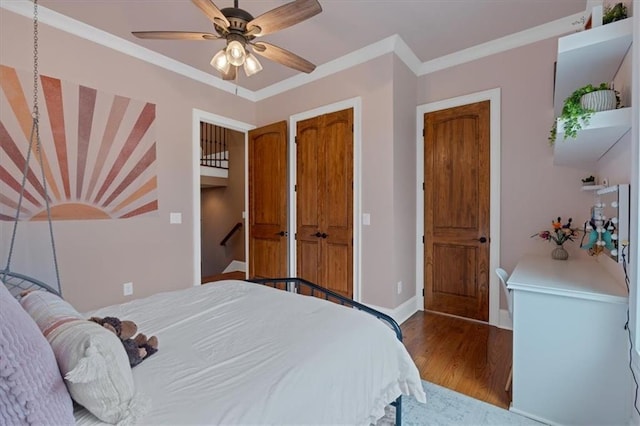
<point>423,239</point>
<point>423,292</point>
<point>295,188</point>
<point>295,236</point>
<point>423,132</point>
<point>295,139</point>
<point>423,186</point>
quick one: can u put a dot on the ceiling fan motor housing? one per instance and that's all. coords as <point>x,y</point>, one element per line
<point>238,19</point>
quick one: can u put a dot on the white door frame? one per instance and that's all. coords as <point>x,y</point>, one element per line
<point>492,95</point>
<point>218,120</point>
<point>356,104</point>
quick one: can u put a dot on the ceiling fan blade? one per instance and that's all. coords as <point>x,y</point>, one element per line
<point>213,13</point>
<point>175,35</point>
<point>283,17</point>
<point>283,56</point>
<point>231,74</point>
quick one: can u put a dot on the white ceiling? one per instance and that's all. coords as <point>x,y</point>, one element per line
<point>431,28</point>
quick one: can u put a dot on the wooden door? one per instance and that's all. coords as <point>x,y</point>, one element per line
<point>268,201</point>
<point>457,171</point>
<point>309,190</point>
<point>324,194</point>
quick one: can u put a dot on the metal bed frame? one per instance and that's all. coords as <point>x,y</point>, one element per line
<point>18,283</point>
<point>302,286</point>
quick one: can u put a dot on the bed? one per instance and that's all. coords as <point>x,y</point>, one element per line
<point>237,352</point>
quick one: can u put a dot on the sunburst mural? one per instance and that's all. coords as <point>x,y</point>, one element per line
<point>98,151</point>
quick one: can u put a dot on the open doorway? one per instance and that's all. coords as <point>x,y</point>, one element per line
<point>219,197</point>
<point>222,206</point>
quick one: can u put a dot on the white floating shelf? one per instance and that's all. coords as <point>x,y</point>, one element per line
<point>592,187</point>
<point>590,57</point>
<point>593,141</point>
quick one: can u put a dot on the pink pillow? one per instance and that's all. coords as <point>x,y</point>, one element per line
<point>48,310</point>
<point>31,388</point>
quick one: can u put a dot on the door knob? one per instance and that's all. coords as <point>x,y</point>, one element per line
<point>482,239</point>
<point>317,234</point>
<point>324,235</point>
<point>282,233</point>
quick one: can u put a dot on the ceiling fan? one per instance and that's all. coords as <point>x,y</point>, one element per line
<point>240,29</point>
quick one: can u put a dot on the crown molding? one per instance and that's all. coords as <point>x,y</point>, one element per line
<point>342,63</point>
<point>390,44</point>
<point>541,32</point>
<point>87,32</point>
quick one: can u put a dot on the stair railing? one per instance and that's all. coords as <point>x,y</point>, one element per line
<point>235,229</point>
<point>214,151</point>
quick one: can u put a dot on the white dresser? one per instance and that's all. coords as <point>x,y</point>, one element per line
<point>570,348</point>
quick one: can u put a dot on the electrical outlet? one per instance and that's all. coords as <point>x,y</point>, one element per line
<point>399,287</point>
<point>127,289</point>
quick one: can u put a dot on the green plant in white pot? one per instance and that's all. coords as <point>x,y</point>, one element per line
<point>613,13</point>
<point>580,106</point>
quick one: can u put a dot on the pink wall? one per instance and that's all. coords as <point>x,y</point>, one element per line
<point>533,190</point>
<point>96,257</point>
<point>404,179</point>
<point>373,82</point>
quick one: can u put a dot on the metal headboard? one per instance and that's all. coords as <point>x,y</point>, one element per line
<point>17,283</point>
<point>295,285</point>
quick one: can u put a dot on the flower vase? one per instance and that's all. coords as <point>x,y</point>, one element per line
<point>559,253</point>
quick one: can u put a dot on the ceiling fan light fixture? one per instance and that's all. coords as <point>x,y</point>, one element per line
<point>220,62</point>
<point>236,54</point>
<point>252,65</point>
<point>239,28</point>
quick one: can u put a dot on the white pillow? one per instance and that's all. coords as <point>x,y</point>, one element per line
<point>97,371</point>
<point>91,359</point>
<point>48,310</point>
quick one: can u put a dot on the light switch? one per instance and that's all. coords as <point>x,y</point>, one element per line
<point>175,218</point>
<point>366,219</point>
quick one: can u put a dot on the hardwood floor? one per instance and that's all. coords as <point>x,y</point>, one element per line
<point>235,275</point>
<point>466,356</point>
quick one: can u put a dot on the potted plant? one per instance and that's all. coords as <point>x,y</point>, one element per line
<point>580,106</point>
<point>559,234</point>
<point>614,13</point>
<point>591,180</point>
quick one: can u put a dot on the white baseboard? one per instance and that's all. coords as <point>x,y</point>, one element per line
<point>401,313</point>
<point>410,307</point>
<point>534,417</point>
<point>635,417</point>
<point>235,265</point>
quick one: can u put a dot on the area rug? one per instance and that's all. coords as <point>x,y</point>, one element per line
<point>445,407</point>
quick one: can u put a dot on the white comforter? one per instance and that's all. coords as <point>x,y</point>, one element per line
<point>241,353</point>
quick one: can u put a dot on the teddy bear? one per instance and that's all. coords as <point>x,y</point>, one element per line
<point>138,348</point>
